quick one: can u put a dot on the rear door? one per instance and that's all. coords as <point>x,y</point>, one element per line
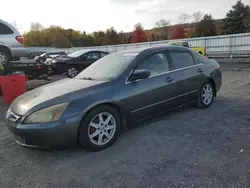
<point>189,73</point>
<point>155,94</point>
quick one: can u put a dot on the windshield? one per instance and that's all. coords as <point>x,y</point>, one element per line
<point>107,68</point>
<point>174,43</point>
<point>53,56</point>
<point>76,54</point>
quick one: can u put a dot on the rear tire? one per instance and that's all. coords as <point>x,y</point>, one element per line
<point>4,56</point>
<point>99,129</point>
<point>205,95</point>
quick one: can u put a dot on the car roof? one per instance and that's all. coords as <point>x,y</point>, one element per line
<point>88,50</point>
<point>152,49</point>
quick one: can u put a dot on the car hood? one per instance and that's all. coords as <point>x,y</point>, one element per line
<point>54,93</point>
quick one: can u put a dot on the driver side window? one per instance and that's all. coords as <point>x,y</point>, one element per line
<point>156,64</point>
<point>92,56</point>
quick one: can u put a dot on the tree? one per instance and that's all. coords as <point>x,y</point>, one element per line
<point>247,21</point>
<point>205,27</point>
<point>197,16</point>
<point>123,38</point>
<point>236,19</point>
<point>35,26</point>
<point>138,34</point>
<point>178,32</point>
<point>99,38</point>
<point>14,23</point>
<point>111,37</point>
<point>162,23</point>
<point>153,37</point>
<point>32,38</point>
<point>87,40</point>
<point>161,29</point>
<point>184,18</point>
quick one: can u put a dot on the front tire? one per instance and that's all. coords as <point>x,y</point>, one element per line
<point>72,72</point>
<point>99,129</point>
<point>206,95</point>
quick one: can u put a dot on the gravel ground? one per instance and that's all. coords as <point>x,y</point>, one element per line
<point>185,148</point>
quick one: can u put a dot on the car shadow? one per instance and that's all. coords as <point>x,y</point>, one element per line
<point>161,123</point>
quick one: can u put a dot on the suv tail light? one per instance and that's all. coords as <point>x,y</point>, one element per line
<point>219,68</point>
<point>20,39</point>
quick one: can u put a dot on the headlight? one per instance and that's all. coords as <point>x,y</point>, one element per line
<point>45,115</point>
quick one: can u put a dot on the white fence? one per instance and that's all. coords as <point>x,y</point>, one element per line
<point>224,44</point>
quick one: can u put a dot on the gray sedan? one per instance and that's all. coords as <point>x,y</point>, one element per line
<point>114,92</point>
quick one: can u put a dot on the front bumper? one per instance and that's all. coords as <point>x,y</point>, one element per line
<point>62,133</point>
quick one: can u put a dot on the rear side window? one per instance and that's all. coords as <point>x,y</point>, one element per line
<point>5,29</point>
<point>199,56</point>
<point>196,59</point>
<point>182,59</point>
<point>103,54</point>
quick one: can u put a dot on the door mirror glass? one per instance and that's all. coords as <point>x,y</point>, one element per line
<point>139,74</point>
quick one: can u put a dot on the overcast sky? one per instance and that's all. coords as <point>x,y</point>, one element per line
<point>93,15</point>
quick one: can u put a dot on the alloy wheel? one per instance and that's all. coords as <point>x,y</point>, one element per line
<point>207,94</point>
<point>3,58</point>
<point>72,72</point>
<point>102,128</point>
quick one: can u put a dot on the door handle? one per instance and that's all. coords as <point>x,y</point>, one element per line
<point>169,79</point>
<point>200,70</point>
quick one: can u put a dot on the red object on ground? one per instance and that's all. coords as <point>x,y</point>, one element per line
<point>1,77</point>
<point>12,87</point>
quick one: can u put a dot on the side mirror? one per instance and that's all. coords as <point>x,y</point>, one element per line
<point>139,74</point>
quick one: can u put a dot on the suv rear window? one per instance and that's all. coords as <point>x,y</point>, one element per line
<point>5,29</point>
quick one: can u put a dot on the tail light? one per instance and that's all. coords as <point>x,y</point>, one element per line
<point>219,68</point>
<point>20,39</point>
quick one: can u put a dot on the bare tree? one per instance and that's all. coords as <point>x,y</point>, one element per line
<point>35,26</point>
<point>197,16</point>
<point>14,24</point>
<point>161,29</point>
<point>184,18</point>
<point>162,23</point>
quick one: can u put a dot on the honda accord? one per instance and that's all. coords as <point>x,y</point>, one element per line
<point>116,91</point>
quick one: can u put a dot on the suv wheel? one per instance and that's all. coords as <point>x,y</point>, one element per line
<point>4,57</point>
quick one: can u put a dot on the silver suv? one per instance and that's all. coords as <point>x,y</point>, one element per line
<point>11,43</point>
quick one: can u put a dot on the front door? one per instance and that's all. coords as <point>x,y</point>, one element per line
<point>155,94</point>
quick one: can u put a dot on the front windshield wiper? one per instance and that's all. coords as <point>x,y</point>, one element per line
<point>88,78</point>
